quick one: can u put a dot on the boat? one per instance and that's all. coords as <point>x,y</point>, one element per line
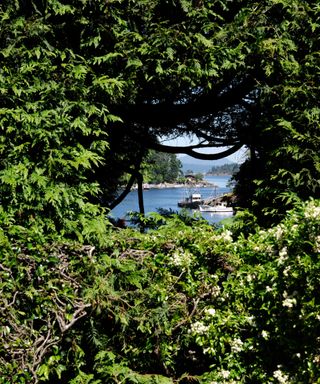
<point>193,201</point>
<point>217,208</point>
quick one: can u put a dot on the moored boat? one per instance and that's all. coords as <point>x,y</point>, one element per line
<point>217,208</point>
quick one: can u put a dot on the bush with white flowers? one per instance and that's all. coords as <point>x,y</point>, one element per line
<point>183,303</point>
<point>277,287</point>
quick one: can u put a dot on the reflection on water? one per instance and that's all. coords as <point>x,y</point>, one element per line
<point>168,199</point>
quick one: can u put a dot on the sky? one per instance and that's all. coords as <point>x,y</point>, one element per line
<point>237,157</point>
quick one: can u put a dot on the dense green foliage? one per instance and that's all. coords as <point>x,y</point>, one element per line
<point>231,73</point>
<point>161,168</point>
<point>86,88</point>
<point>52,126</point>
<point>285,144</point>
<point>179,304</point>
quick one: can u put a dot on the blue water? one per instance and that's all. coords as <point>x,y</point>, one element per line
<point>168,198</point>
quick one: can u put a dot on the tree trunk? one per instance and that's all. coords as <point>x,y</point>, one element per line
<point>140,199</point>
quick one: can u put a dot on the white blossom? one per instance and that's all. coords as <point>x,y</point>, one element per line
<point>180,259</point>
<point>269,249</point>
<point>312,212</point>
<point>280,376</point>
<point>289,302</point>
<point>283,252</point>
<point>236,345</point>
<point>265,334</point>
<point>225,374</point>
<point>226,236</point>
<point>317,244</point>
<point>199,328</point>
<point>215,291</point>
<point>316,359</point>
<point>268,289</point>
<point>210,311</point>
<point>283,255</point>
<point>286,271</point>
<point>177,258</point>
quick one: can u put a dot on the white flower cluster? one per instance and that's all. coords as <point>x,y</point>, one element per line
<point>286,271</point>
<point>181,258</point>
<point>236,345</point>
<point>210,311</point>
<point>280,376</point>
<point>288,302</point>
<point>316,359</point>
<point>199,328</point>
<point>225,376</point>
<point>224,373</point>
<point>263,248</point>
<point>226,236</point>
<point>215,291</point>
<point>283,255</point>
<point>312,212</point>
<point>265,334</point>
<point>317,244</point>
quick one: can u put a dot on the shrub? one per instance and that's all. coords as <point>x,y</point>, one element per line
<point>265,325</point>
<point>179,304</point>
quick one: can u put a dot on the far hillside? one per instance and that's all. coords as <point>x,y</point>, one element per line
<point>200,166</point>
<point>225,169</point>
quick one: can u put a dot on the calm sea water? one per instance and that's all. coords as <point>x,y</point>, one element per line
<point>168,198</point>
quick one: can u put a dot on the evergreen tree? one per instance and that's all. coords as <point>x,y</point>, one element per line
<point>52,125</point>
<point>230,73</point>
<point>162,168</point>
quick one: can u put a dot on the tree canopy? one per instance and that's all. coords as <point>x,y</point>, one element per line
<point>229,73</point>
<point>161,167</point>
<point>87,88</point>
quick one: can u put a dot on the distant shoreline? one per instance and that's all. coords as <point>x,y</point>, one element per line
<point>202,184</point>
<point>219,174</point>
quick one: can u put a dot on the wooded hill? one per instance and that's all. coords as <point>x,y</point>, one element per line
<point>225,169</point>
